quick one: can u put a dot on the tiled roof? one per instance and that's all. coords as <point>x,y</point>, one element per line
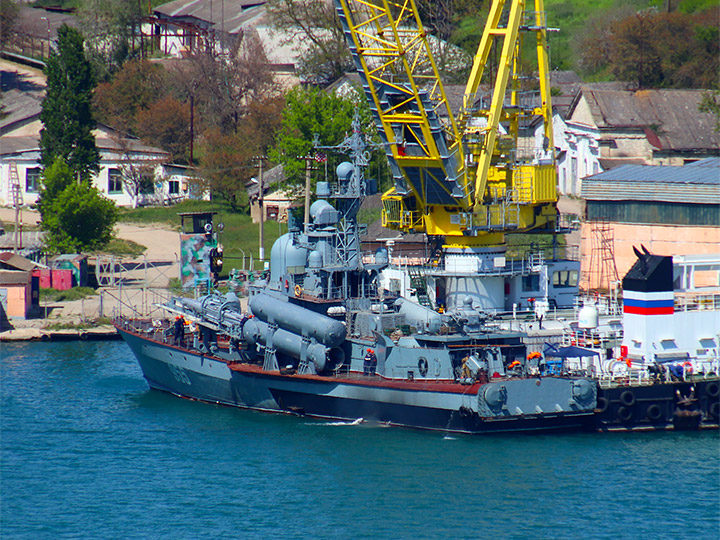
<point>670,118</point>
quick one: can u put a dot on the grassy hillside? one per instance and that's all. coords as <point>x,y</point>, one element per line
<point>573,18</point>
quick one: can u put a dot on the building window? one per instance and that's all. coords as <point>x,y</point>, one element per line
<point>565,279</point>
<point>531,283</point>
<point>394,286</point>
<point>115,184</point>
<point>173,187</point>
<point>32,180</point>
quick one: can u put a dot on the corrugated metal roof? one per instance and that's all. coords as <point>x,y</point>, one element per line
<point>697,185</point>
<point>662,174</point>
<point>707,162</point>
<point>226,15</point>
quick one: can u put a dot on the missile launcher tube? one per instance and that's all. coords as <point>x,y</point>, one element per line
<point>256,331</point>
<point>220,311</point>
<point>298,320</point>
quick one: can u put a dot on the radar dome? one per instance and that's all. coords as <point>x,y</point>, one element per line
<point>588,316</point>
<point>344,170</point>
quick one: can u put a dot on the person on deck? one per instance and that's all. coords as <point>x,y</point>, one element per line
<point>179,330</point>
<point>370,363</point>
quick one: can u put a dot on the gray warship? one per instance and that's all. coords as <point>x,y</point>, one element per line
<point>321,339</point>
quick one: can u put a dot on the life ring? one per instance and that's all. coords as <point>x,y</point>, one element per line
<point>624,413</point>
<point>602,404</point>
<point>627,398</point>
<point>654,412</point>
<point>298,290</point>
<point>423,366</point>
<point>687,367</point>
<point>712,388</point>
<point>714,410</point>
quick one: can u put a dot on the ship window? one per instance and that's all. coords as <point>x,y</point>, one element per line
<point>531,283</point>
<point>565,278</point>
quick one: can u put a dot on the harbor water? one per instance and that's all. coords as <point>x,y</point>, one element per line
<point>89,451</point>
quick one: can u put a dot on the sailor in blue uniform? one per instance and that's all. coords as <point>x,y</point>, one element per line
<point>179,330</point>
<point>370,363</point>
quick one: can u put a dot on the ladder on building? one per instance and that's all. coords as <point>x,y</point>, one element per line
<point>16,193</point>
<point>601,274</point>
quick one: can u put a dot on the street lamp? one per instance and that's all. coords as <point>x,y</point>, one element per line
<point>48,34</point>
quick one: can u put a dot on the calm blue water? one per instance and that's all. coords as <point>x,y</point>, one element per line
<point>88,451</point>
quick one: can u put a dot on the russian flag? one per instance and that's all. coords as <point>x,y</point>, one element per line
<point>645,304</point>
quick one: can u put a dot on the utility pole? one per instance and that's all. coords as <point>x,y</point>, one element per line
<point>192,124</point>
<point>262,209</point>
<point>48,34</point>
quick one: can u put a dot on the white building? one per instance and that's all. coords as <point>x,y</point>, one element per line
<point>606,127</point>
<point>124,162</point>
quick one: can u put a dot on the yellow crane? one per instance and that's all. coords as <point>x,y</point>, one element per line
<point>462,177</point>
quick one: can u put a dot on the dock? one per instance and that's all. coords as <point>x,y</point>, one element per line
<point>105,332</point>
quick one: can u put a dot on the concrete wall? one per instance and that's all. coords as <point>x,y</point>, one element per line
<point>658,239</point>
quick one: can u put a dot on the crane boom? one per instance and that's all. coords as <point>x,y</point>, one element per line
<point>462,178</point>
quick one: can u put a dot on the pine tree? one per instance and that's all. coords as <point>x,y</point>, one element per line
<point>66,110</point>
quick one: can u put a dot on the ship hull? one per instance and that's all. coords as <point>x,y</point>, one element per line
<point>207,378</point>
<point>659,407</point>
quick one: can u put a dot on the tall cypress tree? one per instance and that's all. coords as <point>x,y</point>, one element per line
<point>66,112</point>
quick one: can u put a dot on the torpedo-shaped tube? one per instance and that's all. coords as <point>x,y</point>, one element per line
<point>256,331</point>
<point>298,320</point>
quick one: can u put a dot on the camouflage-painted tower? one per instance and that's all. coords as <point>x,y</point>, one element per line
<point>200,251</point>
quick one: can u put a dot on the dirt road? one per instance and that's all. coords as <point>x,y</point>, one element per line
<point>132,283</point>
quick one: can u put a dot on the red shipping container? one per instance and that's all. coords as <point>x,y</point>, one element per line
<point>62,279</point>
<point>45,277</point>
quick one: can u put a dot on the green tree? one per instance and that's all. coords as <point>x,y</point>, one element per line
<point>109,26</point>
<point>75,217</point>
<point>710,103</point>
<point>309,112</point>
<point>56,178</point>
<point>654,49</point>
<point>66,112</point>
<point>8,21</point>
